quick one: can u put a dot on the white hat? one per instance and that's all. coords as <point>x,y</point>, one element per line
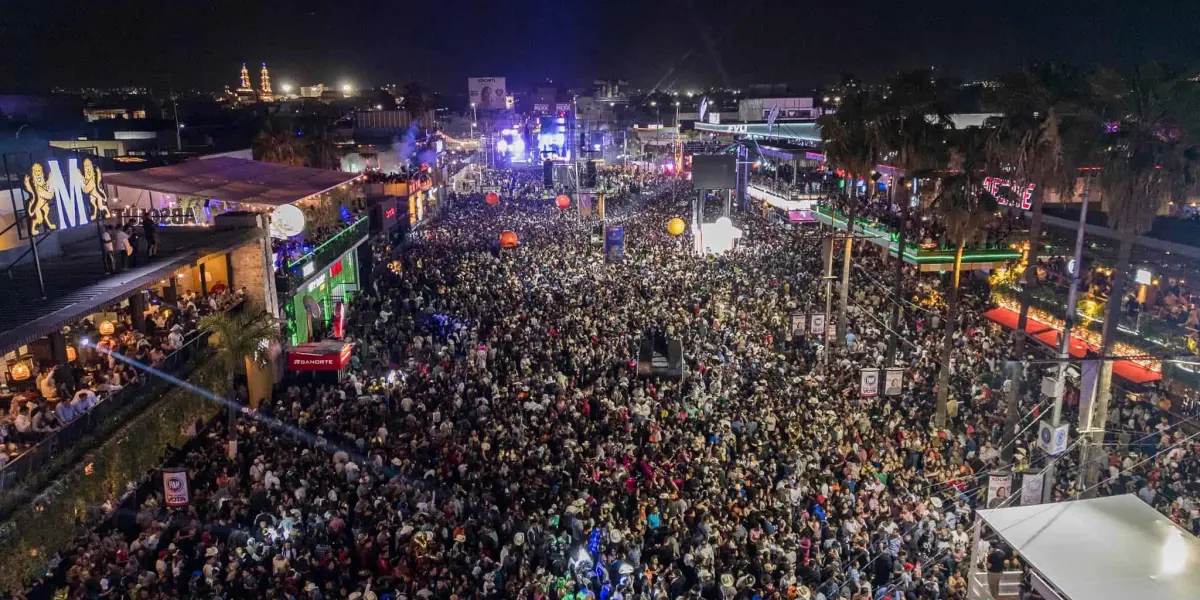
<point>212,551</point>
<point>615,536</point>
<point>462,537</point>
<point>518,538</point>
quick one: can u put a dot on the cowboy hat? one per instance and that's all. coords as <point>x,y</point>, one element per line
<point>726,580</point>
<point>518,538</point>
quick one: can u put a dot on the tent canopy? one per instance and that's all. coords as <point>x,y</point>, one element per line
<point>234,180</point>
<point>1112,548</point>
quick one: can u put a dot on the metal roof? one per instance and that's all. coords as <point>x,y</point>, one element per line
<point>234,180</point>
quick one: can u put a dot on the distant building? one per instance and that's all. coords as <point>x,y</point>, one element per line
<point>312,91</point>
<point>610,89</point>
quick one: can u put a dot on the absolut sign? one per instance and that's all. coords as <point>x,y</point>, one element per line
<point>160,216</point>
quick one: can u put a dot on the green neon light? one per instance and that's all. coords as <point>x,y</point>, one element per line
<point>326,243</point>
<point>926,258</point>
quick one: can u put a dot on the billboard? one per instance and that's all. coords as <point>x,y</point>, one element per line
<point>487,92</point>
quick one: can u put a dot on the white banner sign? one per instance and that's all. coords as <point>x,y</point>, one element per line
<point>816,323</point>
<point>999,489</point>
<point>869,385</point>
<point>893,382</point>
<point>175,487</point>
<point>1032,483</point>
<point>1053,440</point>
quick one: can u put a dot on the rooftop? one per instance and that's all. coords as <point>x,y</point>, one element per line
<point>235,180</point>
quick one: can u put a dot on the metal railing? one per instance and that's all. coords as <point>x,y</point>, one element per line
<point>294,272</point>
<point>62,447</point>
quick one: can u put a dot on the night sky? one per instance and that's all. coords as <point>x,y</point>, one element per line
<point>688,43</point>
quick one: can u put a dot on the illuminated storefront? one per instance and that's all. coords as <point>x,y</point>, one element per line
<point>311,312</point>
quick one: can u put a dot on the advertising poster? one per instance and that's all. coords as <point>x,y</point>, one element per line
<point>1032,483</point>
<point>175,487</point>
<point>816,324</point>
<point>893,382</point>
<point>999,488</point>
<point>798,323</point>
<point>614,244</point>
<point>869,384</point>
<point>488,93</point>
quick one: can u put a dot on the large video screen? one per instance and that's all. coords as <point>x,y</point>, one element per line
<point>714,171</point>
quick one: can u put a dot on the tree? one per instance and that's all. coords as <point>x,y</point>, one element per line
<point>241,339</point>
<point>1151,157</point>
<point>852,141</point>
<point>320,150</point>
<point>1026,142</point>
<point>277,143</point>
<point>416,101</point>
<point>915,117</point>
<point>965,209</point>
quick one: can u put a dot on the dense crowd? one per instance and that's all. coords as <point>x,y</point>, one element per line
<point>493,439</point>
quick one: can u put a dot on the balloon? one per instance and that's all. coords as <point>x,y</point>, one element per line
<point>676,226</point>
<point>492,198</point>
<point>508,239</point>
<point>563,201</point>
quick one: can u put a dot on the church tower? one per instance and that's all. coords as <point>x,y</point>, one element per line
<point>245,87</point>
<point>265,93</point>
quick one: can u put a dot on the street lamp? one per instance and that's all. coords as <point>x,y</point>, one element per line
<point>286,88</point>
<point>347,89</point>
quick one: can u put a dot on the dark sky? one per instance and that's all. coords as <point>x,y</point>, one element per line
<point>201,43</point>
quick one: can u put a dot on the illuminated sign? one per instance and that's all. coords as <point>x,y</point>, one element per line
<point>1007,193</point>
<point>390,213</point>
<point>165,216</point>
<point>61,201</point>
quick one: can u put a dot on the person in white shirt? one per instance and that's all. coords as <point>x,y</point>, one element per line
<point>175,338</point>
<point>121,248</point>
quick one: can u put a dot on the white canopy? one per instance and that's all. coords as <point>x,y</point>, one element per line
<point>1113,548</point>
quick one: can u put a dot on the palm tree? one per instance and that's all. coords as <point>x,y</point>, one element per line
<point>416,101</point>
<point>852,141</point>
<point>320,150</point>
<point>964,208</point>
<point>914,123</point>
<point>277,143</point>
<point>241,339</point>
<point>1151,157</point>
<point>1027,143</point>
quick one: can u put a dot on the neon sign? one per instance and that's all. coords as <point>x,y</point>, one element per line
<point>1008,193</point>
<point>390,213</point>
<point>58,201</point>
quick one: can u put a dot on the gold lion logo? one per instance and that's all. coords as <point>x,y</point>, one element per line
<point>93,187</point>
<point>37,185</point>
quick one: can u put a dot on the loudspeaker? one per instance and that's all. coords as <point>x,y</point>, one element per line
<point>590,179</point>
<point>547,173</point>
<point>661,358</point>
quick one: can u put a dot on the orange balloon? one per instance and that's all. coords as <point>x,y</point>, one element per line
<point>563,201</point>
<point>508,239</point>
<point>492,198</point>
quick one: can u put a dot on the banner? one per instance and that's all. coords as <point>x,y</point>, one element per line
<point>771,116</point>
<point>1089,374</point>
<point>999,488</point>
<point>614,244</point>
<point>487,93</point>
<point>798,323</point>
<point>816,324</point>
<point>703,108</point>
<point>869,383</point>
<point>1053,440</point>
<point>1032,483</point>
<point>175,487</point>
<point>893,382</point>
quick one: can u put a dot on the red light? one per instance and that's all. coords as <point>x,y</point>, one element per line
<point>335,269</point>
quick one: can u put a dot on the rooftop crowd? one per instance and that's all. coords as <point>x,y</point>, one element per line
<point>493,440</point>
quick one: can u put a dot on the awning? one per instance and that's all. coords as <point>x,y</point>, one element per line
<point>1113,548</point>
<point>329,355</point>
<point>1125,369</point>
<point>234,180</point>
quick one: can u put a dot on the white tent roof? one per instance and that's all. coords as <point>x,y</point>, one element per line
<point>1112,548</point>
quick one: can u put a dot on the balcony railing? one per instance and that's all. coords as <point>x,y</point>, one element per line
<point>294,272</point>
<point>62,447</point>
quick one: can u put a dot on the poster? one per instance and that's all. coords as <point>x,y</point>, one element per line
<point>1053,440</point>
<point>798,323</point>
<point>614,244</point>
<point>487,93</point>
<point>1032,483</point>
<point>999,488</point>
<point>816,324</point>
<point>869,384</point>
<point>893,382</point>
<point>1089,375</point>
<point>175,487</point>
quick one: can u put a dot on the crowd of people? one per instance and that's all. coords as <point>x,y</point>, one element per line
<point>493,439</point>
